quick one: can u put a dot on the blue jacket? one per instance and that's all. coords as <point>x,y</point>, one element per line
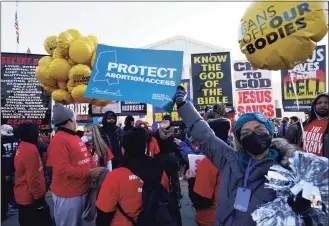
<point>283,130</point>
<point>186,148</point>
<point>231,165</point>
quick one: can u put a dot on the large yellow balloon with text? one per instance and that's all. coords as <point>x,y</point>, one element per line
<point>279,35</point>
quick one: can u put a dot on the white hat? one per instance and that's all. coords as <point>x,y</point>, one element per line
<point>6,130</point>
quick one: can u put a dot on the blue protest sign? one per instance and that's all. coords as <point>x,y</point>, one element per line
<point>136,75</point>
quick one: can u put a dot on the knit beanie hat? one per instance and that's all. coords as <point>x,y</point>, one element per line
<point>142,124</point>
<point>219,109</point>
<point>251,116</point>
<point>134,141</point>
<point>61,114</point>
<point>167,117</point>
<point>129,119</point>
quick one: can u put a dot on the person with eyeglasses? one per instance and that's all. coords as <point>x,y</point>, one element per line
<point>315,138</point>
<point>242,171</point>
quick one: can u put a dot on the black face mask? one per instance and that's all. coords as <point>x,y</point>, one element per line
<point>256,144</point>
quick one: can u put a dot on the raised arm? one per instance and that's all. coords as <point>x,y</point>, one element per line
<point>213,147</point>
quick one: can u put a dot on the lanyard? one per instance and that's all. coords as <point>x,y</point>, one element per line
<point>246,175</point>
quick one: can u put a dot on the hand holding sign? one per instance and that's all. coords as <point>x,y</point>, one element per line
<point>194,161</point>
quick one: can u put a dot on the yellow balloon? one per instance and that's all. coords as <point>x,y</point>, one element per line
<point>42,72</point>
<point>92,61</point>
<point>70,86</point>
<point>62,96</point>
<point>64,41</point>
<point>71,61</point>
<point>94,39</point>
<point>100,103</point>
<point>59,69</point>
<point>74,33</point>
<point>78,92</point>
<point>90,43</point>
<point>79,74</point>
<point>48,88</point>
<point>45,61</point>
<point>58,54</point>
<point>279,35</point>
<point>50,44</point>
<point>80,52</point>
<point>62,84</point>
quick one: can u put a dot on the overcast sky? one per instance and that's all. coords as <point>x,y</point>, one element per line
<point>124,24</point>
<point>127,24</point>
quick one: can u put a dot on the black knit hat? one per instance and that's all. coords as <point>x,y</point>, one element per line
<point>167,117</point>
<point>129,119</point>
<point>134,141</point>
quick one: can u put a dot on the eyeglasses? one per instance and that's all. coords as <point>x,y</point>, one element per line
<point>261,129</point>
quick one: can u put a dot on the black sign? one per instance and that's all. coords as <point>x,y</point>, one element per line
<point>133,108</point>
<point>22,97</point>
<point>211,78</point>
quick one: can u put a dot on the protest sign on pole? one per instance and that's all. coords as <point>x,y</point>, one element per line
<point>158,112</point>
<point>135,75</point>
<point>307,80</point>
<point>253,89</point>
<point>211,79</point>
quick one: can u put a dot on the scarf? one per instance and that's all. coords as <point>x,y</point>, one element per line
<point>166,133</point>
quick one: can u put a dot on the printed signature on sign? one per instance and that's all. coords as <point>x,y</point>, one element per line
<point>106,92</point>
<point>162,97</point>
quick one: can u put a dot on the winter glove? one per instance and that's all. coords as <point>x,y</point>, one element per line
<point>180,96</point>
<point>298,204</point>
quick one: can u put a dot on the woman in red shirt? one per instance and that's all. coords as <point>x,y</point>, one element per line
<point>101,153</point>
<point>30,186</point>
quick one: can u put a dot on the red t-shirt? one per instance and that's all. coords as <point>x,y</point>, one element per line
<point>206,185</point>
<point>154,147</point>
<point>96,158</point>
<point>71,162</point>
<point>313,137</point>
<point>122,186</point>
<point>29,178</point>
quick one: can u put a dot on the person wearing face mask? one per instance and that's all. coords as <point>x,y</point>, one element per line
<point>165,138</point>
<point>72,166</point>
<point>95,144</point>
<point>242,171</point>
<point>30,186</point>
<point>129,123</point>
<point>315,138</point>
<point>112,135</point>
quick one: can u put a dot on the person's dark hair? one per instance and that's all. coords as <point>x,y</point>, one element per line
<point>294,118</point>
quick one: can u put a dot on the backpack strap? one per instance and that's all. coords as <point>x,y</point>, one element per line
<point>126,215</point>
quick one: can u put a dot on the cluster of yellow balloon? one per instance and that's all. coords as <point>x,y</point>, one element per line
<point>67,71</point>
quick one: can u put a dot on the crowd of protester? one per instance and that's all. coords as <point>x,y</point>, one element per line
<point>108,175</point>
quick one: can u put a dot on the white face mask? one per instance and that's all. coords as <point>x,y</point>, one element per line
<point>87,139</point>
<point>164,125</point>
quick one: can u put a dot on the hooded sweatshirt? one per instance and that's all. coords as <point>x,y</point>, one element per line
<point>29,177</point>
<point>112,135</point>
<point>321,137</point>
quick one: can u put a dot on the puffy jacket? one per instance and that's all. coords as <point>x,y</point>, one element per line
<point>186,148</point>
<point>228,162</point>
